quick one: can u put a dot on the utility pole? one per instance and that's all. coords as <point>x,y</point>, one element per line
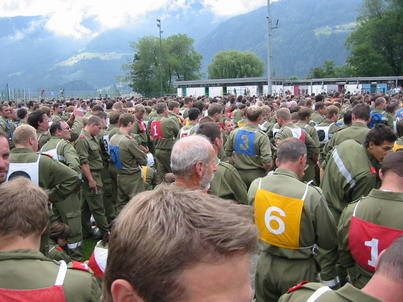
<point>8,93</point>
<point>159,25</point>
<point>270,28</point>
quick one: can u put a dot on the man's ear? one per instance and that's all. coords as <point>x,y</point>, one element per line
<point>198,168</point>
<point>381,174</point>
<point>123,291</point>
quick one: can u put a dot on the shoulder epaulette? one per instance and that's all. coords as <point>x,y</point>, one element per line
<point>79,266</point>
<point>44,154</point>
<point>81,136</point>
<point>296,287</point>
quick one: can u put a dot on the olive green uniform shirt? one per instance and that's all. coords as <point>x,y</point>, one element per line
<point>379,207</point>
<point>66,152</point>
<point>347,293</point>
<point>131,156</point>
<point>351,172</point>
<point>58,179</point>
<point>29,269</point>
<point>169,128</point>
<point>316,118</point>
<point>228,184</point>
<point>317,224</point>
<point>43,137</point>
<point>262,147</point>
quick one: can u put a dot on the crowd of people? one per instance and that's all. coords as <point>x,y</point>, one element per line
<point>181,192</point>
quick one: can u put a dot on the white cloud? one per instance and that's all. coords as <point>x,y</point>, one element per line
<point>66,17</point>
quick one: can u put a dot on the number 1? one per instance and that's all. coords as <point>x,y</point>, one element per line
<point>373,244</point>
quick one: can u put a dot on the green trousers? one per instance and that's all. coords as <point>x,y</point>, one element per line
<point>250,175</point>
<point>128,186</point>
<point>163,160</point>
<point>93,204</point>
<point>69,211</point>
<point>109,197</point>
<point>275,275</point>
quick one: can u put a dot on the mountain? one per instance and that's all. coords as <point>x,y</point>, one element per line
<point>309,32</point>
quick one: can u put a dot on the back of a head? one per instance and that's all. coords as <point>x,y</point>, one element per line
<point>253,113</point>
<point>23,133</point>
<point>393,162</point>
<point>284,114</point>
<point>162,232</point>
<point>362,112</point>
<point>390,264</point>
<point>319,105</point>
<point>304,113</point>
<point>214,109</point>
<point>193,114</point>
<point>94,120</point>
<point>160,107</point>
<point>380,101</point>
<point>114,117</point>
<point>187,152</point>
<point>331,111</point>
<point>125,119</point>
<point>290,150</point>
<point>22,212</point>
<point>379,134</point>
<point>210,130</point>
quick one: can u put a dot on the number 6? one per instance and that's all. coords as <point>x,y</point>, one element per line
<point>268,218</point>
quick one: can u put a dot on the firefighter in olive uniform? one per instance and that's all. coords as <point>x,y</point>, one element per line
<point>248,148</point>
<point>163,131</point>
<point>370,225</point>
<point>127,158</point>
<point>89,151</point>
<point>227,183</point>
<point>352,169</point>
<point>67,210</point>
<point>26,275</point>
<point>293,222</point>
<point>60,180</point>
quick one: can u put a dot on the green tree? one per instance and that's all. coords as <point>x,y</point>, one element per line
<point>376,44</point>
<point>174,59</point>
<point>330,70</point>
<point>235,64</point>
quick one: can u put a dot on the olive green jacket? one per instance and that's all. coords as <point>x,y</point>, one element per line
<point>66,152</point>
<point>29,269</point>
<point>57,179</point>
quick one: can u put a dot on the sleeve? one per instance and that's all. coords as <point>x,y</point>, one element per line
<point>364,185</point>
<point>238,187</point>
<point>140,156</point>
<point>252,191</point>
<point>95,291</point>
<point>229,145</point>
<point>71,157</point>
<point>345,258</point>
<point>265,149</point>
<point>326,233</point>
<point>60,179</point>
<point>311,145</point>
<point>82,148</point>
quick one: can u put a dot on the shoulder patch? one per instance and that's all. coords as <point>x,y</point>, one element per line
<point>296,287</point>
<point>373,171</point>
<point>79,266</point>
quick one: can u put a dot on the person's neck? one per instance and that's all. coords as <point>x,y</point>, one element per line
<point>359,121</point>
<point>191,183</point>
<point>22,146</point>
<point>9,243</point>
<point>285,123</point>
<point>384,289</point>
<point>392,182</point>
<point>291,166</point>
<point>253,123</point>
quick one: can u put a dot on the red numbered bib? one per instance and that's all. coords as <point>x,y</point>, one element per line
<point>156,131</point>
<point>142,126</point>
<point>367,240</point>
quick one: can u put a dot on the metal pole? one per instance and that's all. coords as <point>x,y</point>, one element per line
<point>159,25</point>
<point>8,93</point>
<point>269,49</point>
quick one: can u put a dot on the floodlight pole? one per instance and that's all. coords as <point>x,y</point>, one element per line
<point>269,49</point>
<point>159,25</point>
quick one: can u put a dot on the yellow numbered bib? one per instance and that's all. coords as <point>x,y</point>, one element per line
<point>397,147</point>
<point>278,219</point>
<point>144,172</point>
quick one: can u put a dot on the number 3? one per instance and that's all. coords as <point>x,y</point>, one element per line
<point>268,218</point>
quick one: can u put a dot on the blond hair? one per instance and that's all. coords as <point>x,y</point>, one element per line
<point>23,212</point>
<point>23,133</point>
<point>160,233</point>
<point>283,113</point>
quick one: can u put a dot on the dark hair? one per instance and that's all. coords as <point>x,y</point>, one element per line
<point>393,162</point>
<point>125,119</point>
<point>362,112</point>
<point>210,130</point>
<point>54,127</point>
<point>160,107</point>
<point>193,114</point>
<point>173,104</point>
<point>304,113</point>
<point>35,118</point>
<point>199,105</point>
<point>94,120</point>
<point>22,113</point>
<point>109,105</point>
<point>379,134</point>
<point>290,149</point>
<point>347,117</point>
<point>214,109</point>
<point>319,98</point>
<point>114,117</point>
<point>399,128</point>
<point>59,230</point>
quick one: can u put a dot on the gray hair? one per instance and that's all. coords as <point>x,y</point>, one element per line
<point>187,152</point>
<point>290,149</point>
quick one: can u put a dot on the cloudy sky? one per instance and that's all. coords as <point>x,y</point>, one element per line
<point>70,17</point>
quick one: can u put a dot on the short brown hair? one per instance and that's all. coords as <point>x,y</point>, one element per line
<point>125,119</point>
<point>283,113</point>
<point>23,133</point>
<point>391,262</point>
<point>393,162</point>
<point>332,110</point>
<point>253,113</point>
<point>22,212</point>
<point>160,233</point>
